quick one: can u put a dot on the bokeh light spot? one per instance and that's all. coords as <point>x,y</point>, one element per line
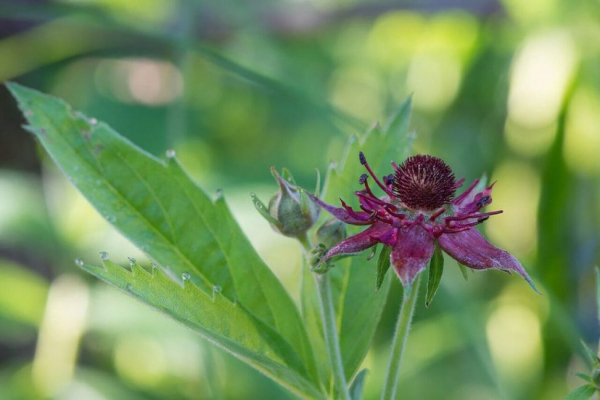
<point>516,192</point>
<point>540,74</point>
<point>582,136</point>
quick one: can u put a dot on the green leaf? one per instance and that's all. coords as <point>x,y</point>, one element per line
<point>582,393</point>
<point>554,225</point>
<point>161,210</point>
<point>356,389</point>
<point>585,377</point>
<point>464,271</point>
<point>436,269</point>
<point>222,322</point>
<point>591,356</point>
<point>358,308</point>
<point>383,264</point>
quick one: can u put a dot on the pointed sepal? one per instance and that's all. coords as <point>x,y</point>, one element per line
<point>436,270</point>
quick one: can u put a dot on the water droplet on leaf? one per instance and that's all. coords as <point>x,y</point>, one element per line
<point>93,121</point>
<point>104,256</point>
<point>79,262</point>
<point>170,153</point>
<point>186,276</point>
<point>217,289</point>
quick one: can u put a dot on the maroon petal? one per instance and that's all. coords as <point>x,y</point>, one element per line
<point>467,196</point>
<point>412,252</point>
<point>368,203</point>
<point>473,199</point>
<point>379,232</point>
<point>344,215</point>
<point>471,249</point>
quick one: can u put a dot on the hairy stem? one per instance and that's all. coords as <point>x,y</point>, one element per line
<point>400,337</point>
<point>329,326</point>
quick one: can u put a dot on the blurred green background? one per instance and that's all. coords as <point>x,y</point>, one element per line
<point>507,87</point>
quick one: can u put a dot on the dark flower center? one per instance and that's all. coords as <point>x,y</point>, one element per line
<point>424,183</point>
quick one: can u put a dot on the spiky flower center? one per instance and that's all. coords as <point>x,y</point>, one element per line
<point>424,183</point>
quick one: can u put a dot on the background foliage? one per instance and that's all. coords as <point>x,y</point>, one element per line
<point>509,88</point>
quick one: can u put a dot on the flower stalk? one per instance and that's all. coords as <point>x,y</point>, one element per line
<point>330,333</point>
<point>399,342</point>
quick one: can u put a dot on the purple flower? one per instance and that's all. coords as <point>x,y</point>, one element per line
<point>418,209</point>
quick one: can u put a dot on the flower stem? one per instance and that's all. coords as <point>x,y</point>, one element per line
<point>329,327</point>
<point>331,334</point>
<point>400,336</point>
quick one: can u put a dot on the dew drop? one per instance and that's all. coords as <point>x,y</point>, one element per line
<point>217,289</point>
<point>93,121</point>
<point>186,276</point>
<point>104,256</point>
<point>132,261</point>
<point>111,218</point>
<point>170,153</point>
<point>370,256</point>
<point>79,262</point>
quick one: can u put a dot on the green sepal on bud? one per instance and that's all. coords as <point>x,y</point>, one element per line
<point>331,232</point>
<point>314,257</point>
<point>290,212</point>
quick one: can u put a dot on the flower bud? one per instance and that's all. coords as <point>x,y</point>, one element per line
<point>331,232</point>
<point>290,211</point>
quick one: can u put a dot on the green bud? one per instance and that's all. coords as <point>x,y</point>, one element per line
<point>331,232</point>
<point>290,212</point>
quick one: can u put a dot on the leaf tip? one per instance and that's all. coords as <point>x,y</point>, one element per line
<point>20,92</point>
<point>13,87</point>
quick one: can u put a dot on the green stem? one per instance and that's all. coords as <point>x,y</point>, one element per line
<point>402,328</point>
<point>331,334</point>
<point>329,327</point>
